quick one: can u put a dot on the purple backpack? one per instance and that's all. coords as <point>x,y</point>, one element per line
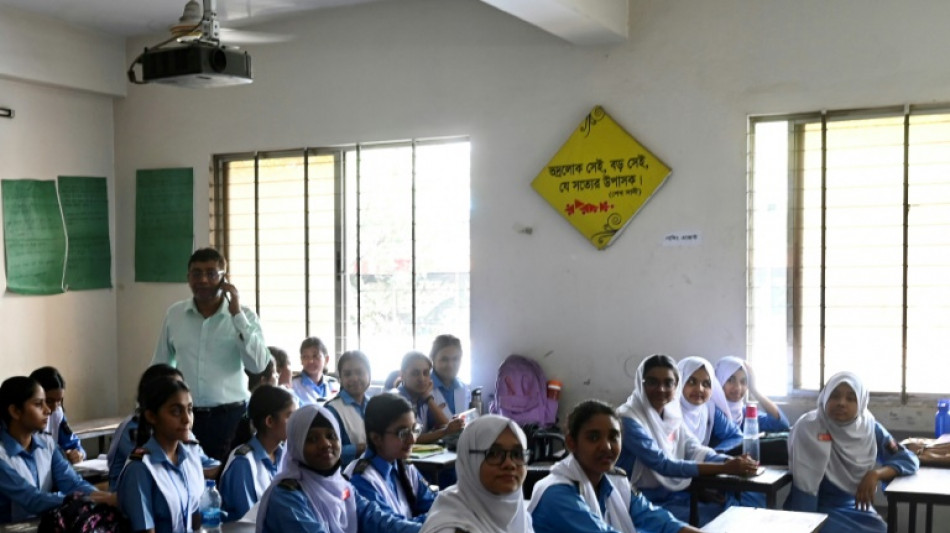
<point>521,393</point>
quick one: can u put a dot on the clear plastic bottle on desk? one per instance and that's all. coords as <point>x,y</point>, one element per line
<point>750,433</point>
<point>210,507</point>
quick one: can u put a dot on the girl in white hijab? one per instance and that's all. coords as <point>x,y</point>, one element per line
<point>584,492</point>
<point>705,411</point>
<point>738,383</point>
<point>838,453</point>
<point>658,451</point>
<point>309,493</point>
<point>491,468</point>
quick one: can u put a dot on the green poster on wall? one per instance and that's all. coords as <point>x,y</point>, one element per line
<point>85,203</point>
<point>34,237</point>
<point>164,224</point>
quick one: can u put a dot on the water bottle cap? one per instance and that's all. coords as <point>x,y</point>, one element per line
<point>943,404</point>
<point>554,385</point>
<point>751,411</point>
<point>209,483</point>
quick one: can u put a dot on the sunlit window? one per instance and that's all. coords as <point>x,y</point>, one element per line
<point>849,248</point>
<point>366,247</point>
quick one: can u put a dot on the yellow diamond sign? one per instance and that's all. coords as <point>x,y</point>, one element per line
<point>600,178</point>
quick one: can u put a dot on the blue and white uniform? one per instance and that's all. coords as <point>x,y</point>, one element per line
<point>62,434</point>
<point>707,422</point>
<point>28,477</point>
<point>123,442</point>
<point>350,415</point>
<point>420,408</point>
<point>567,502</point>
<point>378,481</point>
<point>725,368</point>
<point>302,500</point>
<point>828,460</point>
<point>310,392</point>
<point>661,455</point>
<point>158,494</point>
<point>246,476</point>
<point>454,397</point>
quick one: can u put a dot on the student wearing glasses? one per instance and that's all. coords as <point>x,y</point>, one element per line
<point>491,468</point>
<point>658,451</point>
<point>212,339</point>
<point>382,475</point>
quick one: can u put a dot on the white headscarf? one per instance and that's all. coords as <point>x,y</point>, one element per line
<point>698,419</point>
<point>667,431</point>
<point>725,368</point>
<point>468,505</point>
<point>332,497</point>
<point>569,471</point>
<point>819,446</point>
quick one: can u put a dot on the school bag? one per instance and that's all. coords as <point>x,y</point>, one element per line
<point>521,393</point>
<point>79,514</point>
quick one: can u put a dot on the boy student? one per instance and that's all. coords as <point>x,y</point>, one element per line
<point>312,385</point>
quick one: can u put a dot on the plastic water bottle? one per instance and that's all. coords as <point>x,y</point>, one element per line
<point>210,507</point>
<point>476,402</point>
<point>942,419</point>
<point>750,433</point>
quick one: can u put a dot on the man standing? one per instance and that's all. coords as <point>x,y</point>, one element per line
<point>212,339</point>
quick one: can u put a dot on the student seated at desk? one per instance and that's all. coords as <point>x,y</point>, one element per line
<point>34,475</point>
<point>658,451</point>
<point>449,391</point>
<point>382,475</point>
<point>417,387</point>
<point>349,407</point>
<point>125,437</point>
<point>584,492</point>
<point>491,469</point>
<point>309,495</point>
<point>838,454</point>
<point>313,385</point>
<point>253,465</point>
<point>162,480</point>
<point>707,421</point>
<point>738,382</point>
<point>54,387</point>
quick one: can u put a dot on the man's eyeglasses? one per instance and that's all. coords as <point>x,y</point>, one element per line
<point>403,434</point>
<point>653,383</point>
<point>496,455</point>
<point>212,275</point>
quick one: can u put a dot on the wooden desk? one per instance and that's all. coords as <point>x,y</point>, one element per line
<point>773,521</point>
<point>929,486</point>
<point>769,482</point>
<point>97,428</point>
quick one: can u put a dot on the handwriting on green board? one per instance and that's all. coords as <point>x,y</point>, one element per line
<point>164,224</point>
<point>85,203</point>
<point>34,237</point>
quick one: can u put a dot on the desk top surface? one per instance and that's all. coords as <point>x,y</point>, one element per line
<point>96,425</point>
<point>437,459</point>
<point>771,520</point>
<point>927,481</point>
<point>771,476</point>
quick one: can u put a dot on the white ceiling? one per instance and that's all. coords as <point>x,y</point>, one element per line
<point>139,17</point>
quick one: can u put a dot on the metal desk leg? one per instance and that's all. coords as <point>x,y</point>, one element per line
<point>930,518</point>
<point>891,515</point>
<point>770,498</point>
<point>912,520</point>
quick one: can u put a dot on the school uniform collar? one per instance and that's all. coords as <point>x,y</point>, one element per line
<point>13,447</point>
<point>437,381</point>
<point>382,466</point>
<point>157,455</point>
<point>347,399</point>
<point>604,489</point>
<point>307,380</point>
<point>261,455</point>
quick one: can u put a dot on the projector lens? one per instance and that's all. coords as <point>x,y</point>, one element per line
<point>219,61</point>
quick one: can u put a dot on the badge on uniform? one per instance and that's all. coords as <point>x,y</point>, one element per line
<point>346,494</point>
<point>824,437</point>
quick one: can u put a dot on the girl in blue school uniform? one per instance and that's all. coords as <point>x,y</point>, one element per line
<point>449,391</point>
<point>34,475</point>
<point>54,386</point>
<point>585,492</point>
<point>162,480</point>
<point>349,407</point>
<point>738,383</point>
<point>839,454</point>
<point>382,475</point>
<point>125,437</point>
<point>705,411</point>
<point>658,451</point>
<point>253,465</point>
<point>313,385</point>
<point>417,387</point>
<point>310,495</point>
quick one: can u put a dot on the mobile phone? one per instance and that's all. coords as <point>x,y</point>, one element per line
<point>224,279</point>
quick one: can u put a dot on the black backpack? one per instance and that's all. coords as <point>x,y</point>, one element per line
<point>79,514</point>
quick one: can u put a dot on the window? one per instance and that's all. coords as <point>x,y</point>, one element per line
<point>849,248</point>
<point>366,247</point>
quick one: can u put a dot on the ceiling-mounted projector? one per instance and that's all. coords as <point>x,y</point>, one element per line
<point>196,65</point>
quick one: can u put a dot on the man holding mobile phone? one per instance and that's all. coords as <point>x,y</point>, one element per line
<point>211,338</point>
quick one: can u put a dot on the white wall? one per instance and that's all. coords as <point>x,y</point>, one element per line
<point>60,132</point>
<point>684,85</point>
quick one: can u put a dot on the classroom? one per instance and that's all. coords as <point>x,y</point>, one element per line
<point>684,82</point>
